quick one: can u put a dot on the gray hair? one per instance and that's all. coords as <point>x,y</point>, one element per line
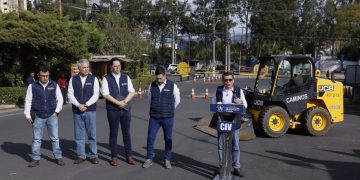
<point>82,61</point>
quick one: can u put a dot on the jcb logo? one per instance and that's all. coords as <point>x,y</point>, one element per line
<point>259,102</point>
<point>323,88</point>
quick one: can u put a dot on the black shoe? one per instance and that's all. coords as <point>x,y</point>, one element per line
<point>34,163</point>
<point>238,172</point>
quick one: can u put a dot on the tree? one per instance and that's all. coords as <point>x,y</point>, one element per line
<point>348,30</point>
<point>28,39</point>
<point>121,37</point>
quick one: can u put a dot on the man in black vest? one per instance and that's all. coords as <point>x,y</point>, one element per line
<point>43,103</point>
<point>83,92</point>
<point>118,91</point>
<point>164,97</point>
<point>31,78</point>
<point>230,94</point>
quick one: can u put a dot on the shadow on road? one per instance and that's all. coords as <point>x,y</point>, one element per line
<point>20,149</point>
<point>352,108</point>
<point>186,163</point>
<point>336,169</point>
<point>178,160</point>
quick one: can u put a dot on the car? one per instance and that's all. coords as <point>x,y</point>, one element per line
<point>172,68</point>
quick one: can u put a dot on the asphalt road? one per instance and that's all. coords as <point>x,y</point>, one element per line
<point>294,156</point>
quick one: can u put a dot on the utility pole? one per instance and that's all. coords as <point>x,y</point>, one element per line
<point>214,39</point>
<point>60,9</point>
<point>173,44</point>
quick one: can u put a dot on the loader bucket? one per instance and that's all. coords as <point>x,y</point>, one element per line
<point>207,125</point>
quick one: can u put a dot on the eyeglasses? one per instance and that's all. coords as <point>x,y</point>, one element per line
<point>227,80</point>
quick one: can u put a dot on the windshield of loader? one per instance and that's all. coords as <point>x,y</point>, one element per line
<point>290,70</point>
<point>266,76</point>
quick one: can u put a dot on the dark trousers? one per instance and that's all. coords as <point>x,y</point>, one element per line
<point>124,118</point>
<point>154,125</point>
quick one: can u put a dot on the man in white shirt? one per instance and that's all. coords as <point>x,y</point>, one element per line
<point>230,94</point>
<point>164,96</point>
<point>83,92</point>
<point>43,104</point>
<point>118,91</point>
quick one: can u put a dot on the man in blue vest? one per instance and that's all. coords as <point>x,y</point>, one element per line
<point>43,103</point>
<point>83,92</point>
<point>118,91</point>
<point>164,96</point>
<point>230,94</point>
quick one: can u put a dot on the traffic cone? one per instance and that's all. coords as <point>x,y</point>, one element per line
<point>209,80</point>
<point>140,95</point>
<point>192,93</point>
<point>204,80</point>
<point>195,80</point>
<point>206,94</point>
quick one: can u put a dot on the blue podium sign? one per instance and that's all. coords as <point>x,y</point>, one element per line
<point>225,127</point>
<point>227,108</point>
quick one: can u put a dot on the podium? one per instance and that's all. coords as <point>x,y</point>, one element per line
<point>225,126</point>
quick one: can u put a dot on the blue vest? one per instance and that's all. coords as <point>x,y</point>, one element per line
<point>44,100</point>
<point>83,94</point>
<point>114,89</point>
<point>162,103</point>
<point>236,94</point>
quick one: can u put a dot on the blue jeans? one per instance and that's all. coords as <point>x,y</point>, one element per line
<point>124,118</point>
<point>235,148</point>
<point>154,125</point>
<point>38,130</point>
<point>85,123</point>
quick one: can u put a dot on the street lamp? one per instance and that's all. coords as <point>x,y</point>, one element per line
<point>214,33</point>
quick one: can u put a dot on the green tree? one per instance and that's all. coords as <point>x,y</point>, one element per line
<point>28,39</point>
<point>121,37</point>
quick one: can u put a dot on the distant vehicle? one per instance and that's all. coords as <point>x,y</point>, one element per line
<point>172,68</point>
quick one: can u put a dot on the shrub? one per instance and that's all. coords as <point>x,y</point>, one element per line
<point>142,82</point>
<point>12,95</point>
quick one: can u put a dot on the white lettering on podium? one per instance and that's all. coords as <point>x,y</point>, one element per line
<point>225,126</point>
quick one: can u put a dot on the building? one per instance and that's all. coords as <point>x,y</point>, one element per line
<point>12,5</point>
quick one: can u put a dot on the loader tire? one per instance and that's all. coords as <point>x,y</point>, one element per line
<point>316,121</point>
<point>274,121</point>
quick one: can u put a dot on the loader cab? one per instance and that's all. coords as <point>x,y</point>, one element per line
<point>286,81</point>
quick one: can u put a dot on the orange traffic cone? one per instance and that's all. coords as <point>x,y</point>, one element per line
<point>192,93</point>
<point>140,95</point>
<point>209,80</point>
<point>206,94</point>
<point>195,80</point>
<point>204,80</point>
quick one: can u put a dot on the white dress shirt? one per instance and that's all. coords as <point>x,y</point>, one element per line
<point>29,96</point>
<point>105,86</point>
<point>228,96</point>
<point>93,98</point>
<point>161,87</point>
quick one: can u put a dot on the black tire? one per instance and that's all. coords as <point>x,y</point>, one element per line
<point>280,121</point>
<point>316,121</point>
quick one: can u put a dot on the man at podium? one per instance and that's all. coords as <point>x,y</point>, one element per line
<point>230,94</point>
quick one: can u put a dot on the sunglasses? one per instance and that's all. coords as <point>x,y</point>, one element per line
<point>227,80</point>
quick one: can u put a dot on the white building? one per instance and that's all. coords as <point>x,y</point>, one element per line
<point>12,5</point>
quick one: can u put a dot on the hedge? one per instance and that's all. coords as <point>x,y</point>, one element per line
<point>12,95</point>
<point>142,82</point>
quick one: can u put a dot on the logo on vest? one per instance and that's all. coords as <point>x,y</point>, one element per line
<point>88,84</point>
<point>51,88</point>
<point>167,90</point>
<point>124,84</point>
